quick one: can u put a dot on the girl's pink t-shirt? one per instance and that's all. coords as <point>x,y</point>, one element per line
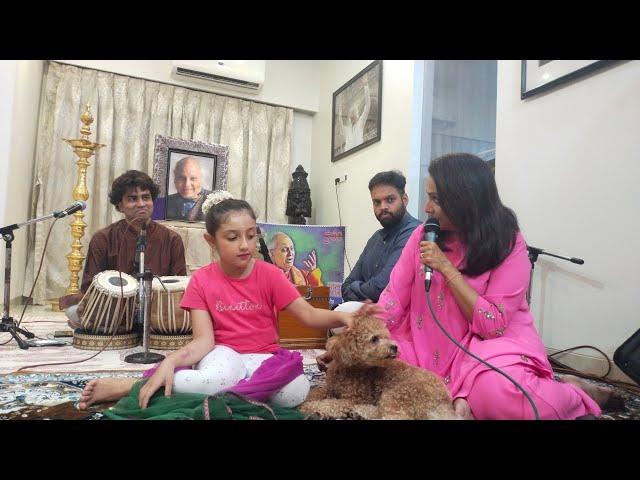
<point>242,310</point>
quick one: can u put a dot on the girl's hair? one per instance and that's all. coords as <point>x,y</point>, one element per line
<point>468,194</point>
<point>219,213</point>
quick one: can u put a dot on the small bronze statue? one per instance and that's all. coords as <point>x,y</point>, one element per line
<point>299,198</point>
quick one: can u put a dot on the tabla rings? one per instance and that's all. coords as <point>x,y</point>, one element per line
<point>108,307</point>
<point>170,326</point>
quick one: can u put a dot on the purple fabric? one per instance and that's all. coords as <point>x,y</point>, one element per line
<point>272,374</point>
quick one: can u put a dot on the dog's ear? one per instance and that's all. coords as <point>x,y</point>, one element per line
<point>339,348</point>
<point>329,346</point>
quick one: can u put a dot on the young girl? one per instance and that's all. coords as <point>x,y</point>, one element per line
<point>233,307</point>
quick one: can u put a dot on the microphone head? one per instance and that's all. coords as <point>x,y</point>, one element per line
<point>432,225</point>
<point>81,204</point>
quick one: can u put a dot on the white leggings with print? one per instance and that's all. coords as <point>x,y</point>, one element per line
<point>223,368</point>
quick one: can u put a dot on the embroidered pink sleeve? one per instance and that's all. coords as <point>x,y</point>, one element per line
<point>396,296</point>
<point>504,295</point>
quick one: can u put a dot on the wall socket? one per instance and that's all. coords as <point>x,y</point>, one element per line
<point>340,179</point>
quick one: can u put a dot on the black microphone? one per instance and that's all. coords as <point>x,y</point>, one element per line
<point>78,205</point>
<point>431,231</point>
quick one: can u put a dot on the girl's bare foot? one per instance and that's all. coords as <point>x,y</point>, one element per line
<point>462,408</point>
<point>605,397</point>
<point>105,390</point>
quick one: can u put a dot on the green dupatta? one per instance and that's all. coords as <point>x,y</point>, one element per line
<point>196,406</point>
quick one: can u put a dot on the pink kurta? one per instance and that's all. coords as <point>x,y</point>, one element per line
<point>501,332</point>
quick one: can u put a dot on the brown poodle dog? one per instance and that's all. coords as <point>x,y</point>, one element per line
<point>365,380</point>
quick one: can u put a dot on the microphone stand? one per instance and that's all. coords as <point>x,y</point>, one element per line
<point>8,324</point>
<point>144,277</point>
<point>533,257</point>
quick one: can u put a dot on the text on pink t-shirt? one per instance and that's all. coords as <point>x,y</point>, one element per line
<point>242,310</point>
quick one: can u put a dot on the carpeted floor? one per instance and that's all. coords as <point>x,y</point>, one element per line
<point>52,392</point>
<point>48,396</point>
<point>54,396</point>
<point>43,324</point>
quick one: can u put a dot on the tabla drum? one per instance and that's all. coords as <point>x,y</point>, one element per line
<point>106,309</point>
<point>170,326</point>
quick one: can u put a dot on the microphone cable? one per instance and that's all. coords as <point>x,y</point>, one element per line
<point>562,368</point>
<point>435,317</point>
<point>35,281</point>
<point>115,328</point>
<point>340,220</point>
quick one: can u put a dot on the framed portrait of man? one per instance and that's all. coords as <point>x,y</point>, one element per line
<point>357,112</point>
<point>186,172</point>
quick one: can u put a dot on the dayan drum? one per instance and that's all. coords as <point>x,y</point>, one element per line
<point>106,309</point>
<point>170,326</point>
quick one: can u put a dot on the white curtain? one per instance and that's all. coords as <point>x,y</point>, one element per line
<point>128,113</point>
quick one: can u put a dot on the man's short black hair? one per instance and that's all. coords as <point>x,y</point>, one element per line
<point>392,178</point>
<point>131,179</point>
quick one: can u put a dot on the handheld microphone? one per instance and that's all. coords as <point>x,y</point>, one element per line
<point>78,205</point>
<point>431,231</point>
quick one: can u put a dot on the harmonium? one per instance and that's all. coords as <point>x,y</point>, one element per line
<point>294,334</point>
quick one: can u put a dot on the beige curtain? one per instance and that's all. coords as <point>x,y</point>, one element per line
<point>128,113</point>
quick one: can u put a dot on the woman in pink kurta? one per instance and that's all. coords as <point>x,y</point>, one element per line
<point>480,278</point>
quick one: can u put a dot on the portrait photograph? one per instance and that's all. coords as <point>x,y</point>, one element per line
<point>191,178</point>
<point>186,172</point>
<point>357,112</point>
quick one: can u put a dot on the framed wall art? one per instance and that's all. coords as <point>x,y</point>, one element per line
<point>186,172</point>
<point>357,112</point>
<point>543,75</point>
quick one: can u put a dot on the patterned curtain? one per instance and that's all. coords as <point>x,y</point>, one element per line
<point>128,113</point>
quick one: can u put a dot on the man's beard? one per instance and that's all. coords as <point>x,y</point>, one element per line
<point>393,219</point>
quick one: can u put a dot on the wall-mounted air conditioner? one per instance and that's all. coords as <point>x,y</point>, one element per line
<point>244,75</point>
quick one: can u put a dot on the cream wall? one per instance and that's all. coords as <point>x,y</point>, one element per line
<point>20,83</point>
<point>301,141</point>
<point>392,151</point>
<point>568,163</point>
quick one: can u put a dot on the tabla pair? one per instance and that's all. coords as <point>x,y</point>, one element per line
<point>109,307</point>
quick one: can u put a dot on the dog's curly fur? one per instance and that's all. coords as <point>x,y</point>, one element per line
<point>365,380</point>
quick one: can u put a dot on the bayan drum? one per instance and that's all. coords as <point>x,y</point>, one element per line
<point>108,307</point>
<point>170,326</point>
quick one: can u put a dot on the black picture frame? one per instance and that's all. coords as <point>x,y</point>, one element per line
<point>346,100</point>
<point>212,160</point>
<point>538,76</point>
